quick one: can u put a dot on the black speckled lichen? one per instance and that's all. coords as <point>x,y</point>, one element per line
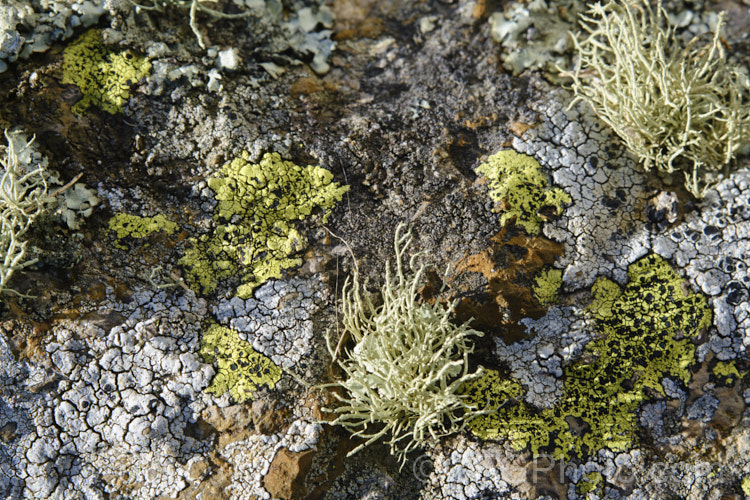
<point>647,331</point>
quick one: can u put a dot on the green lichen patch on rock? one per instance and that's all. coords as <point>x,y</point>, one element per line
<point>647,330</point>
<point>133,226</point>
<point>518,184</point>
<point>255,237</point>
<point>547,286</point>
<point>726,372</point>
<point>103,76</point>
<point>241,369</point>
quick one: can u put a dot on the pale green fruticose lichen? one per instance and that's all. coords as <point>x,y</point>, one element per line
<point>518,184</point>
<point>104,76</point>
<point>241,369</point>
<point>402,376</point>
<point>255,237</point>
<point>678,109</point>
<point>134,226</point>
<point>647,331</point>
<point>23,198</point>
<point>547,286</point>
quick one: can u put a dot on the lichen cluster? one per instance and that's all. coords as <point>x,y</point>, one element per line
<point>647,330</point>
<point>136,227</point>
<point>104,76</point>
<point>677,109</point>
<point>241,369</point>
<point>254,237</point>
<point>519,186</point>
<point>401,377</point>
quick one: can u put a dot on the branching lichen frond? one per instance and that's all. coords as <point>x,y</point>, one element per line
<point>401,377</point>
<point>23,197</point>
<point>676,108</point>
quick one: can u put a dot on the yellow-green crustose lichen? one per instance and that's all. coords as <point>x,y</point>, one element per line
<point>133,226</point>
<point>727,371</point>
<point>547,286</point>
<point>104,76</point>
<point>589,483</point>
<point>255,237</point>
<point>746,486</point>
<point>519,185</point>
<point>647,330</point>
<point>241,369</point>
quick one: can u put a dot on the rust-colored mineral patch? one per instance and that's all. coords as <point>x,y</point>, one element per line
<point>503,294</point>
<point>286,474</point>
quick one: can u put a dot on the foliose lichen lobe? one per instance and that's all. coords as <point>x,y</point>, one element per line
<point>519,185</point>
<point>104,76</point>
<point>255,237</point>
<point>241,369</point>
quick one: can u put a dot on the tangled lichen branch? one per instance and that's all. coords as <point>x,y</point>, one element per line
<point>403,375</point>
<point>23,197</point>
<point>676,109</point>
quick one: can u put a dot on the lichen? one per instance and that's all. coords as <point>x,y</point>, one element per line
<point>547,286</point>
<point>589,483</point>
<point>133,226</point>
<point>23,197</point>
<point>746,485</point>
<point>103,76</point>
<point>518,184</point>
<point>241,369</point>
<point>646,334</point>
<point>534,35</point>
<point>727,371</point>
<point>255,237</point>
<point>408,362</point>
<point>677,109</point>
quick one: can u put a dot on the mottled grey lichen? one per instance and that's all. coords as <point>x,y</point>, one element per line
<point>113,401</point>
<point>32,27</point>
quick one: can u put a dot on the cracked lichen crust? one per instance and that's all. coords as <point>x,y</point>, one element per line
<point>520,187</point>
<point>277,321</point>
<point>113,410</point>
<point>712,246</point>
<point>678,109</point>
<point>465,469</point>
<point>257,206</point>
<point>103,76</point>
<point>241,369</point>
<point>251,457</point>
<point>408,361</point>
<point>647,329</point>
<point>136,227</point>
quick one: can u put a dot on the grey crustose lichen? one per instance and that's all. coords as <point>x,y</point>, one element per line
<point>403,375</point>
